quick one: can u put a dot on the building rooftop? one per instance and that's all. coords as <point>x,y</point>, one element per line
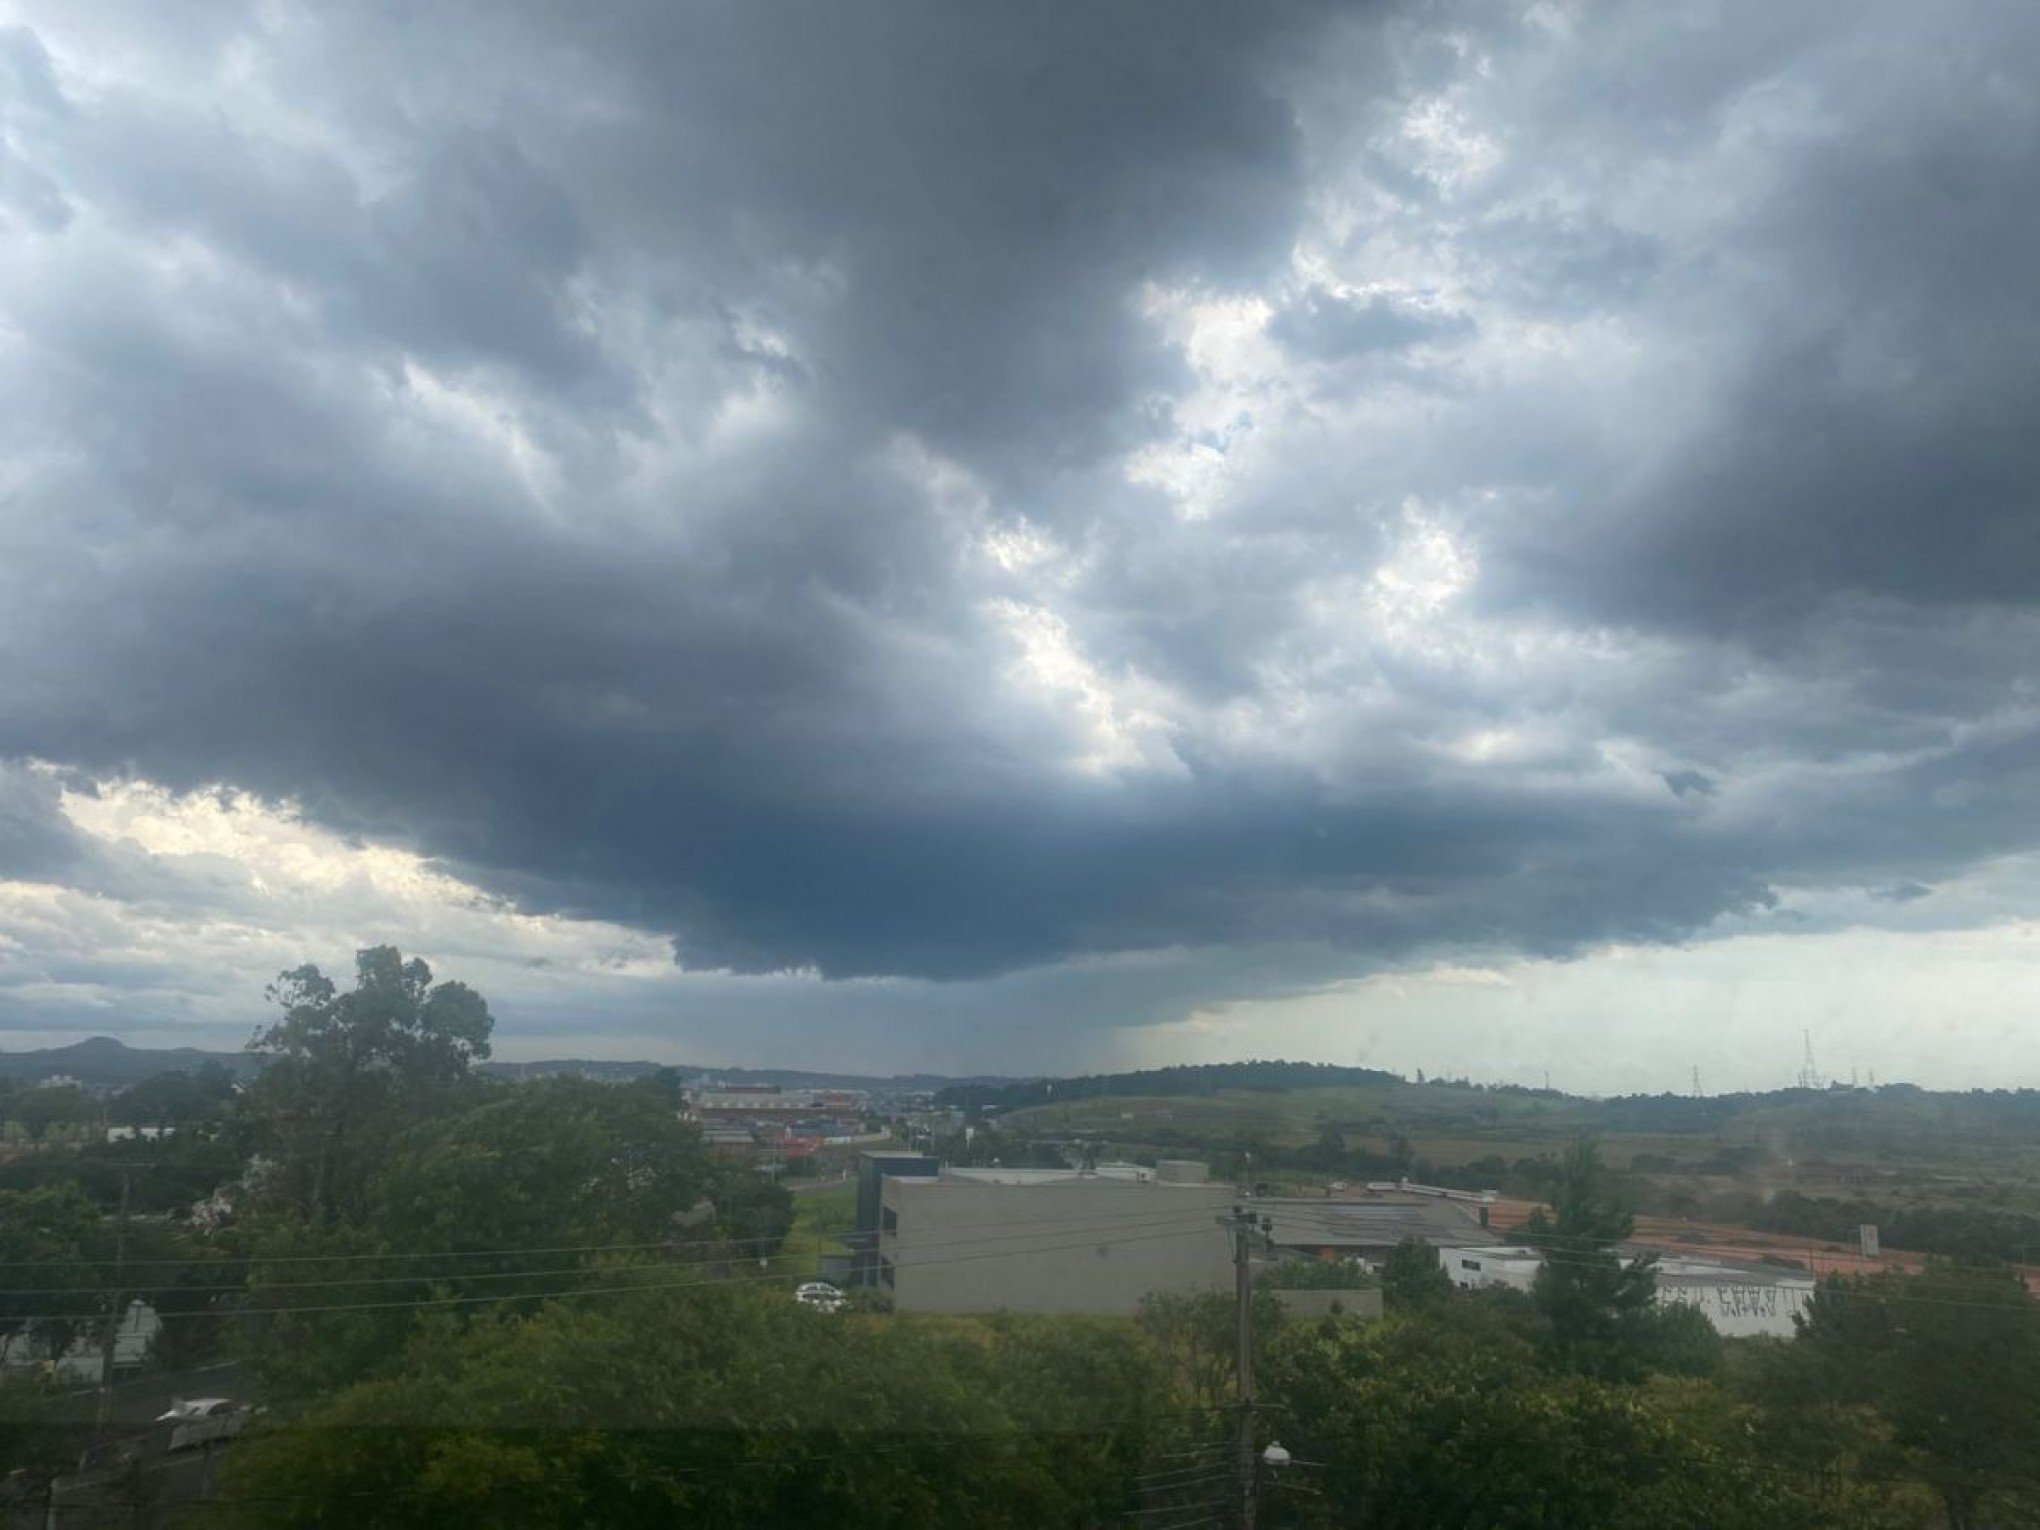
<point>995,1175</point>
<point>1311,1223</point>
<point>1671,1269</point>
<point>1677,1269</point>
<point>1121,1173</point>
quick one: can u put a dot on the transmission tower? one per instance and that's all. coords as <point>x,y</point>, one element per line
<point>1696,1081</point>
<point>1809,1075</point>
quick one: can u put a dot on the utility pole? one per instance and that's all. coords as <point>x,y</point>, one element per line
<point>113,1315</point>
<point>1243,1300</point>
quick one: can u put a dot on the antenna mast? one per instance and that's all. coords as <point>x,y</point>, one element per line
<point>1809,1075</point>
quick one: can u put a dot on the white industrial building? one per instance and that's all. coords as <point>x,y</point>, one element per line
<point>81,1361</point>
<point>1052,1240</point>
<point>1476,1268</point>
<point>1741,1301</point>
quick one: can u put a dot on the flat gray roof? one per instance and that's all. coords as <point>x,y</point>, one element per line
<point>1370,1224</point>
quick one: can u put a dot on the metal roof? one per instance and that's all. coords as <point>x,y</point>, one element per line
<point>1368,1224</point>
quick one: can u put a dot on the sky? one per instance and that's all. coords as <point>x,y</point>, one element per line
<point>1491,538</point>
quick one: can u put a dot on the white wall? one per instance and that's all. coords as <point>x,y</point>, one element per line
<point>1740,1308</point>
<point>138,1328</point>
<point>1070,1244</point>
<point>1476,1268</point>
<point>1738,1304</point>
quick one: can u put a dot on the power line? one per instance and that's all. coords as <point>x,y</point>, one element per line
<point>698,1281</point>
<point>668,1244</point>
<point>1188,1222</point>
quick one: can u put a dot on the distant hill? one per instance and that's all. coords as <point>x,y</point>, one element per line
<point>101,1062</point>
<point>785,1078</point>
<point>1181,1082</point>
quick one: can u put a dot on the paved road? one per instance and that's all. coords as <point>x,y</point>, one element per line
<point>133,1479</point>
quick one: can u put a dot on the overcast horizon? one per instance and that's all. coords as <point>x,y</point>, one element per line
<point>1497,539</point>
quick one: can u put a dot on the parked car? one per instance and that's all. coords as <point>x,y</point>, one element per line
<point>820,1295</point>
<point>199,1420</point>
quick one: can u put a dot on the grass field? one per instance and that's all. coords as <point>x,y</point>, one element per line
<point>820,1218</point>
<point>1475,1123</point>
<point>1903,1146</point>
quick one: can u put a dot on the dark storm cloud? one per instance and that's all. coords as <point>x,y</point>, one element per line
<point>36,843</point>
<point>570,446</point>
<point>1866,367</point>
<point>1683,781</point>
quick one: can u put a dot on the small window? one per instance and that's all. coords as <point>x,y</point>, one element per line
<point>1469,1264</point>
<point>889,1220</point>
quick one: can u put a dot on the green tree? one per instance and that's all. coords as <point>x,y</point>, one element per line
<point>1817,1424</point>
<point>42,1431</point>
<point>1950,1360</point>
<point>719,1405</point>
<point>57,1235</point>
<point>1401,1151</point>
<point>1596,1302</point>
<point>1318,1275</point>
<point>60,1246</point>
<point>175,1098</point>
<point>53,1111</point>
<point>348,1071</point>
<point>528,1193</point>
<point>1677,1340</point>
<point>1412,1275</point>
<point>560,1161</point>
<point>1431,1419</point>
<point>1195,1338</point>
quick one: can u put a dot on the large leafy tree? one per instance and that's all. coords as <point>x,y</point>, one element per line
<point>1448,1418</point>
<point>175,1098</point>
<point>1597,1303</point>
<point>1950,1361</point>
<point>52,1240</point>
<point>1411,1274</point>
<point>48,1113</point>
<point>719,1404</point>
<point>59,1248</point>
<point>533,1191</point>
<point>564,1163</point>
<point>43,1428</point>
<point>1195,1338</point>
<point>348,1071</point>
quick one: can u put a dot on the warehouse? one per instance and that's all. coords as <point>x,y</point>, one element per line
<point>1741,1301</point>
<point>1322,1228</point>
<point>1052,1240</point>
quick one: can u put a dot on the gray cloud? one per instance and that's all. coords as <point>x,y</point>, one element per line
<point>589,451</point>
<point>1330,328</point>
<point>1903,892</point>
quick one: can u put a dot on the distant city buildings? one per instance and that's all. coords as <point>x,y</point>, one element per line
<point>775,1125</point>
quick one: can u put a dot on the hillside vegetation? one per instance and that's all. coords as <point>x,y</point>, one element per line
<point>1941,1172</point>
